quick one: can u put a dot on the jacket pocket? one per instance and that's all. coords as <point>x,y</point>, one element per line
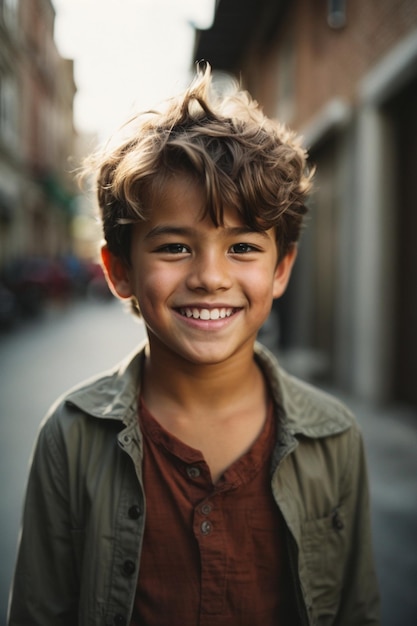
<point>323,545</point>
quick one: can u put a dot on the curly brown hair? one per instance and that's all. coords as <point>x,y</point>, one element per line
<point>241,158</point>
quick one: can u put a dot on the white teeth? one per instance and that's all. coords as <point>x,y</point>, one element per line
<point>206,314</point>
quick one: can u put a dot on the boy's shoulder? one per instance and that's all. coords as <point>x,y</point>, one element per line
<point>109,395</point>
<point>308,410</point>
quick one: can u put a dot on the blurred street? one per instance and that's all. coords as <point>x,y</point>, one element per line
<point>42,358</point>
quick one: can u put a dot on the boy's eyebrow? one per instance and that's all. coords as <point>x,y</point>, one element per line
<point>167,229</point>
<point>182,231</point>
<point>236,231</point>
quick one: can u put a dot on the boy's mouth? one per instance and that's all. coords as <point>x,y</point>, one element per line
<point>206,314</point>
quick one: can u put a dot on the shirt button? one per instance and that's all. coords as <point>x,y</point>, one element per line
<point>206,527</point>
<point>128,567</point>
<point>134,512</point>
<point>119,620</point>
<point>206,508</point>
<point>193,472</point>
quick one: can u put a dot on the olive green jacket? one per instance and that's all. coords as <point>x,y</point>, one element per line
<point>85,508</point>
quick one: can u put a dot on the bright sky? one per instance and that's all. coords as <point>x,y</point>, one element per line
<point>129,54</point>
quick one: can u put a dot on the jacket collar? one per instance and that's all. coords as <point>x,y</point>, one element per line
<point>112,394</point>
<point>302,409</point>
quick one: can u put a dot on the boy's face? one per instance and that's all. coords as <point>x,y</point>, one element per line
<point>203,291</point>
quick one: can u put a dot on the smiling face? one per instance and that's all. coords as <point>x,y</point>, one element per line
<point>203,291</point>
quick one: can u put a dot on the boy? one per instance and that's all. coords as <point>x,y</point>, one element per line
<point>198,483</point>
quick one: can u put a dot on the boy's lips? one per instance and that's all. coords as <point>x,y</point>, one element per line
<point>206,313</point>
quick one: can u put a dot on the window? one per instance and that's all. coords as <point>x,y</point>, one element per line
<point>336,13</point>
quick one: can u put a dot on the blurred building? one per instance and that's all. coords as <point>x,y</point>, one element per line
<point>344,74</point>
<point>37,91</point>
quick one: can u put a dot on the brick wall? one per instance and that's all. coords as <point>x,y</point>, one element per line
<point>328,62</point>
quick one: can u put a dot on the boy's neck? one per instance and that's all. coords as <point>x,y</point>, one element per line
<point>218,409</point>
<point>192,386</point>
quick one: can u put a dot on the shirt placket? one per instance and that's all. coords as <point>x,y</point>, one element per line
<point>209,531</point>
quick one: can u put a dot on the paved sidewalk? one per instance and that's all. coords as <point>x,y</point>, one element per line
<point>391,441</point>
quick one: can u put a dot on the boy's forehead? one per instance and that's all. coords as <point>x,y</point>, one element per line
<point>183,199</point>
<point>165,222</point>
<point>180,202</point>
<point>175,186</point>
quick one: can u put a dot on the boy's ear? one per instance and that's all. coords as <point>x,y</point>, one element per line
<point>283,272</point>
<point>117,273</point>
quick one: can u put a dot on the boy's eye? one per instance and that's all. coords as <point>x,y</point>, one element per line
<point>174,248</point>
<point>242,248</point>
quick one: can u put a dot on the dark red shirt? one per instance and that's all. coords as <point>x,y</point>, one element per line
<point>212,553</point>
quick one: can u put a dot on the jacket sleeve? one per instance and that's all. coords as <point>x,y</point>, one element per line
<point>360,596</point>
<point>45,585</point>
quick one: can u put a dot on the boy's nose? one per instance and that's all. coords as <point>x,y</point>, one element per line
<point>209,272</point>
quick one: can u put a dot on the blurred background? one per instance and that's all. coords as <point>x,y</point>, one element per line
<point>343,73</point>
